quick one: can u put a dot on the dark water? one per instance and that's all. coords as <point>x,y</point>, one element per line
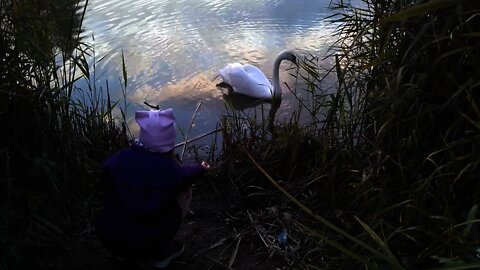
<point>174,48</point>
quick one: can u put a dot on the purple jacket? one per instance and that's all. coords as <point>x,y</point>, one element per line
<point>140,206</point>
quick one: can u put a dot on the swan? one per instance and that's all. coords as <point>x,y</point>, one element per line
<point>250,81</point>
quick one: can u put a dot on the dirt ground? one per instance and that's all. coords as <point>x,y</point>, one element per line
<point>216,235</point>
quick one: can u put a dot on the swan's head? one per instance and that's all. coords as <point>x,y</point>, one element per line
<point>284,55</point>
<point>288,55</point>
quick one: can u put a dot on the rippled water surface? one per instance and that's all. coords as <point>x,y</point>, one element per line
<point>173,48</point>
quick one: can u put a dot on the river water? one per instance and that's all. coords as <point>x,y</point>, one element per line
<point>174,48</point>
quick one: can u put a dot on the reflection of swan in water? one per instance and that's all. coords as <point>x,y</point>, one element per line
<point>240,102</point>
<point>250,81</point>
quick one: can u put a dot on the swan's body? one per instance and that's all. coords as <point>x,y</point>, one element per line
<point>250,81</point>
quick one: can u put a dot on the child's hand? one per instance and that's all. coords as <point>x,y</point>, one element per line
<point>206,166</point>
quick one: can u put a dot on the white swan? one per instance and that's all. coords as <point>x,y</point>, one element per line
<point>250,81</point>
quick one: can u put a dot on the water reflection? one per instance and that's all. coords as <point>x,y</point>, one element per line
<point>183,96</point>
<point>174,48</point>
<point>240,102</point>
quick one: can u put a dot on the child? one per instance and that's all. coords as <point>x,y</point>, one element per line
<point>147,193</point>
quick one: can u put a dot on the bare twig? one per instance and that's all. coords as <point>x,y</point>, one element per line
<point>189,128</point>
<point>197,137</point>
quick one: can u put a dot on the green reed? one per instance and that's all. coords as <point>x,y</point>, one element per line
<point>390,157</point>
<point>54,136</point>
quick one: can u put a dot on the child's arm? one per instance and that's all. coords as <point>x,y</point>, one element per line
<point>195,171</point>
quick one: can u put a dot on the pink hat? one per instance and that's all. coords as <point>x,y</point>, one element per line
<point>157,129</point>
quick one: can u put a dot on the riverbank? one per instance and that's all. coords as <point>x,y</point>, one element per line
<point>214,233</point>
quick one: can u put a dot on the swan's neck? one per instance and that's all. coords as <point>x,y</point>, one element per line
<point>277,90</point>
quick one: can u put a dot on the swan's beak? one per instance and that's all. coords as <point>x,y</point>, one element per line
<point>294,60</point>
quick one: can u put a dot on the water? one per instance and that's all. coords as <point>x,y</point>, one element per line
<point>174,48</point>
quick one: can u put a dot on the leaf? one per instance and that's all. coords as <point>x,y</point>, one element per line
<point>470,217</point>
<point>380,242</point>
<point>234,254</point>
<point>124,69</point>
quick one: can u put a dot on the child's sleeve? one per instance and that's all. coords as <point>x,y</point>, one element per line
<point>192,172</point>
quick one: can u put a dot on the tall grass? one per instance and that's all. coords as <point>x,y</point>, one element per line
<point>419,78</point>
<point>52,142</point>
<point>392,160</point>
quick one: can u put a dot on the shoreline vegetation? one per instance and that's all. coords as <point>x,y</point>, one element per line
<point>383,176</point>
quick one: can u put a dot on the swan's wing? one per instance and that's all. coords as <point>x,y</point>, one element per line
<point>257,75</point>
<point>247,80</point>
<point>228,70</point>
